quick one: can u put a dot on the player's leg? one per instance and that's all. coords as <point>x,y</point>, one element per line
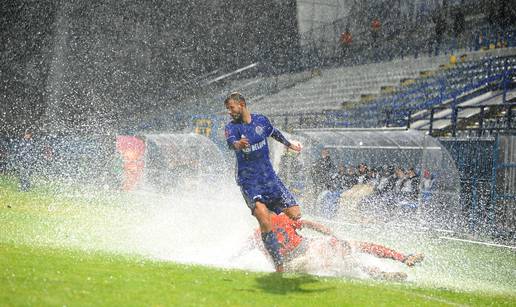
<point>378,250</point>
<point>262,215</point>
<point>412,259</point>
<point>270,241</point>
<point>385,252</point>
<point>287,202</point>
<point>376,273</point>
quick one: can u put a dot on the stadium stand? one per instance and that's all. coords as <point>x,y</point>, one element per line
<point>389,93</point>
<point>337,86</point>
<point>466,84</point>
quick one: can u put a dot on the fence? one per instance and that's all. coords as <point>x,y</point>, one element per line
<point>488,195</point>
<point>399,108</point>
<point>504,125</point>
<point>321,46</point>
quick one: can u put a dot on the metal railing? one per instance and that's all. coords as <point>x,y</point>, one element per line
<point>321,46</point>
<point>391,112</point>
<point>508,109</point>
<point>400,109</point>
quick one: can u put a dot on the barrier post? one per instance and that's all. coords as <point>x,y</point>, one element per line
<point>387,117</point>
<point>494,193</point>
<point>454,116</point>
<point>504,87</point>
<point>442,85</point>
<point>481,121</point>
<point>432,110</point>
<point>473,216</point>
<point>509,116</point>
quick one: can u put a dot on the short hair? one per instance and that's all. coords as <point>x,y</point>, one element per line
<point>234,96</point>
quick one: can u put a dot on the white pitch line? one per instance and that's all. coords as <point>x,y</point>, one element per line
<point>435,299</point>
<point>478,242</point>
<point>444,230</point>
<point>327,221</point>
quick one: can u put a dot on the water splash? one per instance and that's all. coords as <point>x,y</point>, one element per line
<point>209,224</point>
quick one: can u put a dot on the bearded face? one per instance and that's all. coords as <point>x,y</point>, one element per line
<point>235,109</point>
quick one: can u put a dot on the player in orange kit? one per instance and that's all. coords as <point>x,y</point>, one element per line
<point>294,247</point>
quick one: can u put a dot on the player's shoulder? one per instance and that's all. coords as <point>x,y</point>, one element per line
<point>259,118</point>
<point>232,124</point>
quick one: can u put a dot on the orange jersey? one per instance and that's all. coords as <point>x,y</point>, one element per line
<point>285,230</point>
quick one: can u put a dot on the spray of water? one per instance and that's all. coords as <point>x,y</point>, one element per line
<point>202,219</point>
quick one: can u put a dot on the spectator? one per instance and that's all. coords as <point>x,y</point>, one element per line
<point>289,170</point>
<point>4,155</point>
<point>386,181</point>
<point>341,177</point>
<point>25,160</point>
<point>322,172</point>
<point>501,14</point>
<point>376,27</point>
<point>363,174</point>
<point>399,173</point>
<point>47,160</point>
<point>439,30</point>
<point>374,177</point>
<point>459,26</point>
<point>346,38</point>
<point>410,186</point>
<point>427,183</point>
<point>349,179</point>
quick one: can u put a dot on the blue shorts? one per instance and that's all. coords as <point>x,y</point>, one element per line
<point>274,195</point>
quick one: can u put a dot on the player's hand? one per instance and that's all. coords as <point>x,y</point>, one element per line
<point>295,147</point>
<point>241,144</point>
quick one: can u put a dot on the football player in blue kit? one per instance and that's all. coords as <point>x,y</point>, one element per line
<point>261,188</point>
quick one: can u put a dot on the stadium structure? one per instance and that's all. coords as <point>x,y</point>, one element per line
<point>384,83</point>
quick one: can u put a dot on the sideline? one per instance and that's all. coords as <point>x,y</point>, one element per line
<point>435,299</point>
<point>478,242</point>
<point>415,230</point>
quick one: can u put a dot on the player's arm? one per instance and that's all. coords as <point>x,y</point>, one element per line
<point>233,141</point>
<point>278,136</point>
<point>317,227</point>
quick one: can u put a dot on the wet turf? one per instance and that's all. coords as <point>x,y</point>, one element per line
<point>36,270</point>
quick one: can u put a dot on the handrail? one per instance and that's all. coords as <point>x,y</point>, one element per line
<point>444,82</point>
<point>349,117</point>
<point>454,117</point>
<point>441,82</point>
<point>443,96</point>
<point>237,71</point>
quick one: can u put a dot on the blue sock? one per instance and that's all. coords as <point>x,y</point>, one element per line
<point>272,245</point>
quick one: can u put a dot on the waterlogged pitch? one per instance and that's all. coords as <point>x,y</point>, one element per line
<point>65,246</point>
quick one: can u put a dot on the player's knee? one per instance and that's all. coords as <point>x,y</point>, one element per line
<point>260,210</point>
<point>262,215</point>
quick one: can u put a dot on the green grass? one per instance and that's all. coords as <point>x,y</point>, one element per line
<point>41,266</point>
<point>46,276</point>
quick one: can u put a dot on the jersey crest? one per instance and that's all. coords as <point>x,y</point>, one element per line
<point>258,130</point>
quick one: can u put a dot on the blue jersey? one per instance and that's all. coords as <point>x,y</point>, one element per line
<point>253,162</point>
<point>255,174</point>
